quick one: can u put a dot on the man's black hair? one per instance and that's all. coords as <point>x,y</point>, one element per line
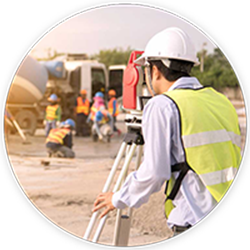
<point>182,68</point>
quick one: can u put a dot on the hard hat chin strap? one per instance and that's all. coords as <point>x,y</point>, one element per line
<point>149,79</point>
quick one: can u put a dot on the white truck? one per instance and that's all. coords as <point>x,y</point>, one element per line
<point>116,78</point>
<point>35,81</point>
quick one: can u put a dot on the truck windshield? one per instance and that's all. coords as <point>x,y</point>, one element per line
<point>115,81</point>
<point>98,80</point>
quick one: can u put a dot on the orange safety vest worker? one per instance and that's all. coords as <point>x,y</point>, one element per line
<point>51,112</point>
<point>94,110</point>
<point>111,107</point>
<point>57,135</point>
<point>82,107</point>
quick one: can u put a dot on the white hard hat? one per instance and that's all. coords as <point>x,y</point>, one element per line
<point>171,43</point>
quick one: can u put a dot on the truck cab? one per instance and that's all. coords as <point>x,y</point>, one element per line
<point>116,82</point>
<point>116,78</point>
<point>35,81</point>
<point>77,73</point>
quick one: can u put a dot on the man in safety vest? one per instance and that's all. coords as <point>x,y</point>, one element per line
<point>192,138</point>
<point>103,125</point>
<point>59,141</point>
<point>97,105</point>
<point>113,109</point>
<point>82,112</point>
<point>52,114</point>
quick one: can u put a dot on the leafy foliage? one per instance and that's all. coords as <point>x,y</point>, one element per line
<point>217,72</point>
<point>113,56</point>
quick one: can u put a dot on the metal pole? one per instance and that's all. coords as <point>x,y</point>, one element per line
<point>106,188</point>
<point>116,188</point>
<point>123,222</point>
<point>119,211</point>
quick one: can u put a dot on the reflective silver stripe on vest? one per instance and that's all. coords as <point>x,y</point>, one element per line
<point>218,177</point>
<point>210,137</point>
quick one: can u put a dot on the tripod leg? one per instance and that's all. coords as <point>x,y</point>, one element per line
<point>123,222</point>
<point>125,167</point>
<point>116,188</point>
<point>106,188</point>
<point>114,167</point>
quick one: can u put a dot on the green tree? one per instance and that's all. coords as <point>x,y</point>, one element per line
<point>217,72</point>
<point>113,56</point>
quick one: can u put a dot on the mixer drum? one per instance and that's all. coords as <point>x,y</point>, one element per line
<point>29,83</point>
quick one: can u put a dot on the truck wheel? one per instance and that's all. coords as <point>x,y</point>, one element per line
<point>27,121</point>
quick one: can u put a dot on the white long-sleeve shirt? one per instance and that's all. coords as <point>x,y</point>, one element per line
<point>162,149</point>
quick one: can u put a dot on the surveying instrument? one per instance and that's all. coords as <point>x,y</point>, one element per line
<point>135,96</point>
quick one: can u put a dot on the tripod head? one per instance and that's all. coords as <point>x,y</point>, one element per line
<point>133,119</point>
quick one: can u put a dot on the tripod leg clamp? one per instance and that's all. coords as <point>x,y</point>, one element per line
<point>134,136</point>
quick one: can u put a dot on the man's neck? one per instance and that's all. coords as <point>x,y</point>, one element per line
<point>166,86</point>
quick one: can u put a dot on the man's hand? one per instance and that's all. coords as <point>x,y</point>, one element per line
<point>103,200</point>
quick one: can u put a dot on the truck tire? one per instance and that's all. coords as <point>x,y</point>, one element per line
<point>27,121</point>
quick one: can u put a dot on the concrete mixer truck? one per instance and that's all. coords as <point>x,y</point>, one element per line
<point>35,81</point>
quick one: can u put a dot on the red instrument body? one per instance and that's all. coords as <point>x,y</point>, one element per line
<point>130,81</point>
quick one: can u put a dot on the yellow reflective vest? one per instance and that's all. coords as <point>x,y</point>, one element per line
<point>94,110</point>
<point>111,107</point>
<point>211,141</point>
<point>51,112</point>
<point>82,107</point>
<point>57,135</point>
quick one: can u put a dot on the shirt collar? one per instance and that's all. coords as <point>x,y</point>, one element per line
<point>186,82</point>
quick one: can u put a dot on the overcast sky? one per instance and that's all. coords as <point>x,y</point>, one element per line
<point>114,26</point>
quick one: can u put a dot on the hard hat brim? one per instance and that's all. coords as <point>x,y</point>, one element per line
<point>142,60</point>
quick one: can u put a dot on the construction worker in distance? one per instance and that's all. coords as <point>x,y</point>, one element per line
<point>82,111</point>
<point>52,114</point>
<point>103,125</point>
<point>59,141</point>
<point>192,138</point>
<point>96,106</point>
<point>113,108</point>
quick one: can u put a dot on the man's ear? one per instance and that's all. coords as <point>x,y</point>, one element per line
<point>156,74</point>
<point>147,75</point>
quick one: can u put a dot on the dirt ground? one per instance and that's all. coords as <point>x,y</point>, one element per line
<point>64,190</point>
